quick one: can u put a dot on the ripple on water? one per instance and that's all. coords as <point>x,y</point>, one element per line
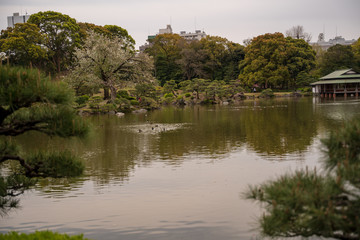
<point>155,128</point>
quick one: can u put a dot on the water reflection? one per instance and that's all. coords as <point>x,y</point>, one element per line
<point>178,171</point>
<point>275,129</point>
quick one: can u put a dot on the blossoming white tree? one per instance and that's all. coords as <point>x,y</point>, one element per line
<point>109,63</point>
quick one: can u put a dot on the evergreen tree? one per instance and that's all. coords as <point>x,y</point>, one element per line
<point>63,37</point>
<point>271,60</point>
<point>22,44</point>
<point>311,204</point>
<point>31,102</point>
<point>338,57</point>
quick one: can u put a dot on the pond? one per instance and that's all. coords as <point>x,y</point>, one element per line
<point>178,173</point>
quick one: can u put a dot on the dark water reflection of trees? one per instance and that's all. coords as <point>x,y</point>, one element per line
<point>172,135</point>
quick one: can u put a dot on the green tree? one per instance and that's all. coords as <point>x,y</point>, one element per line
<point>219,58</point>
<point>22,44</point>
<point>356,51</point>
<point>31,102</point>
<point>300,61</point>
<point>234,54</point>
<point>109,31</point>
<point>274,61</point>
<point>197,86</point>
<point>337,57</point>
<point>121,34</point>
<point>234,87</point>
<point>86,27</point>
<point>261,58</point>
<point>63,36</point>
<point>166,51</point>
<point>170,86</point>
<point>109,63</point>
<point>215,89</point>
<point>311,204</point>
<point>192,60</point>
<point>146,90</point>
<point>215,49</point>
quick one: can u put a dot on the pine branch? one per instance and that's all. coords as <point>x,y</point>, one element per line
<point>20,128</point>
<point>28,168</point>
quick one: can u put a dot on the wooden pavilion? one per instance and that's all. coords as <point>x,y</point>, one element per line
<point>339,83</point>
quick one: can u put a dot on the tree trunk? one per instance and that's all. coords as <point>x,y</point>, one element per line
<point>106,93</point>
<point>113,93</point>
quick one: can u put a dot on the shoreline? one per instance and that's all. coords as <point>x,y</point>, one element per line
<point>234,101</point>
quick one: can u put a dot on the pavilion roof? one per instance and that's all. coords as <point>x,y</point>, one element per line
<point>340,76</point>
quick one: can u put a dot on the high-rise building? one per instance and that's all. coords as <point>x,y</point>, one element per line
<point>168,29</point>
<point>197,35</point>
<point>17,18</point>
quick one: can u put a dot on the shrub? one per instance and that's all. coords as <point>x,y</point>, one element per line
<point>94,102</point>
<point>167,100</point>
<point>134,102</point>
<point>208,101</point>
<point>95,99</point>
<point>82,99</point>
<point>267,93</point>
<point>108,107</point>
<point>148,103</point>
<point>305,90</point>
<point>122,94</point>
<point>40,236</point>
<point>123,104</point>
<point>188,95</point>
<point>168,95</point>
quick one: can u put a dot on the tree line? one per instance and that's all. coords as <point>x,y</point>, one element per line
<point>56,43</point>
<point>268,61</point>
<point>48,40</point>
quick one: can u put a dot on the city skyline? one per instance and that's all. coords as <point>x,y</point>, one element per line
<point>235,20</point>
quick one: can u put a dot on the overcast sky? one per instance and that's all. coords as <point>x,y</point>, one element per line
<point>235,20</point>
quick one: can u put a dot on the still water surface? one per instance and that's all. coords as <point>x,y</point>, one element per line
<point>178,173</point>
